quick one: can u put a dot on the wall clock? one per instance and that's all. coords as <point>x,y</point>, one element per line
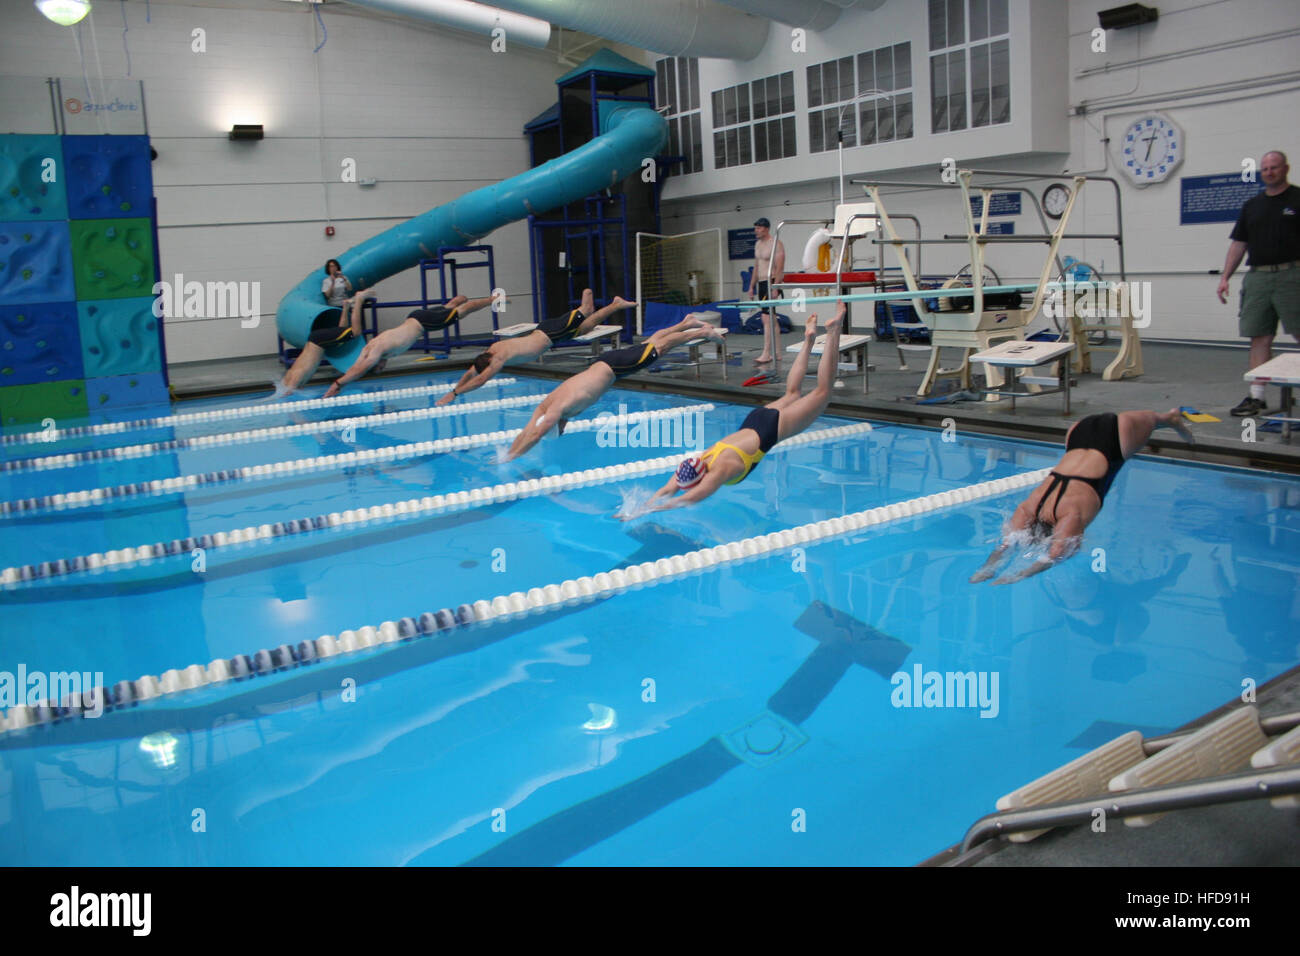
<point>1151,149</point>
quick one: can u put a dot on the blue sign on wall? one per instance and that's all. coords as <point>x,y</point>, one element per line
<point>1214,198</point>
<point>740,243</point>
<point>1000,204</point>
<point>1000,228</point>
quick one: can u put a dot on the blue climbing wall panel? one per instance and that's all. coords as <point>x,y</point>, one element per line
<point>77,266</point>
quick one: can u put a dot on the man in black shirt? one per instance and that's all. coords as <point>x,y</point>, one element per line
<point>1269,227</point>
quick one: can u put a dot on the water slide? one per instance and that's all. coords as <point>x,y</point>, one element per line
<point>628,135</point>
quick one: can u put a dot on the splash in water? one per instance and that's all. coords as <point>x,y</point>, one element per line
<point>635,499</point>
<point>281,390</point>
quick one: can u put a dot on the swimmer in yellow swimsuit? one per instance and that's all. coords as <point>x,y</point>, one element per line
<point>730,460</point>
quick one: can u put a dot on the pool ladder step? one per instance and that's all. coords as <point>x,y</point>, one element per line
<point>1229,759</point>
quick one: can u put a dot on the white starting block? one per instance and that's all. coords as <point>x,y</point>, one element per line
<point>1018,353</point>
<point>1282,370</point>
<point>695,344</point>
<point>512,331</point>
<point>853,345</point>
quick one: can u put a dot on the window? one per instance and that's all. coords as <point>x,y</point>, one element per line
<point>970,64</point>
<point>836,84</point>
<point>754,122</point>
<point>677,89</point>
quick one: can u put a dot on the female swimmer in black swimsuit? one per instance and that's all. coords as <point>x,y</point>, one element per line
<point>1071,496</point>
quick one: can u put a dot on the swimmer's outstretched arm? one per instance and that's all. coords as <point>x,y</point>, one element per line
<point>667,501</point>
<point>472,380</point>
<point>1019,522</point>
<point>1065,541</point>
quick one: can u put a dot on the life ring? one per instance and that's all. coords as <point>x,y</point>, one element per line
<point>811,249</point>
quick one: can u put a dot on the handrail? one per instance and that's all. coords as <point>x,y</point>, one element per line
<point>1117,236</point>
<point>1271,726</point>
<point>1232,788</point>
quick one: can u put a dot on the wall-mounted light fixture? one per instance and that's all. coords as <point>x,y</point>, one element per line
<point>245,132</point>
<point>1129,15</point>
<point>64,12</point>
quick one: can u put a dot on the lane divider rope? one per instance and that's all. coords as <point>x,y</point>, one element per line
<point>391,511</point>
<point>504,607</point>
<point>166,486</point>
<point>262,434</point>
<point>239,411</point>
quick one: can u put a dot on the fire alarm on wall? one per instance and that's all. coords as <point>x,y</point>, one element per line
<point>329,230</point>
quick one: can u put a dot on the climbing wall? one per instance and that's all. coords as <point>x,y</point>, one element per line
<point>78,337</point>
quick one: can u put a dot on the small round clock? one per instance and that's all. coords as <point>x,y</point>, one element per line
<point>1055,198</point>
<point>1152,147</point>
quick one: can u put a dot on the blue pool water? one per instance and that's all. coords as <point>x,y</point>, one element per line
<point>737,715</point>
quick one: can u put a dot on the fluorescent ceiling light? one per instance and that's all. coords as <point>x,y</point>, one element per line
<point>64,12</point>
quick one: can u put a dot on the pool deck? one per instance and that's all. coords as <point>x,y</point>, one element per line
<point>1208,378</point>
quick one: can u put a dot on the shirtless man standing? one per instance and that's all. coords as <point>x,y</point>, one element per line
<point>767,253</point>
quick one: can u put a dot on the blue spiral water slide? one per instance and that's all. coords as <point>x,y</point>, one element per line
<point>629,134</point>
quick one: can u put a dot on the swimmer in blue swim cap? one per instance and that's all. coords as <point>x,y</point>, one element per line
<point>730,460</point>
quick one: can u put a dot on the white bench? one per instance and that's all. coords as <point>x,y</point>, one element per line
<point>1282,370</point>
<point>1021,354</point>
<point>854,345</point>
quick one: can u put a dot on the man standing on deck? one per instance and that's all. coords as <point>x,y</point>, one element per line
<point>768,254</point>
<point>1269,227</point>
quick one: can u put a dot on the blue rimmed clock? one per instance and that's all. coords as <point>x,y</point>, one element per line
<point>1151,149</point>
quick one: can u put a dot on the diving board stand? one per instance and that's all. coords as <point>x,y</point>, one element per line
<point>1018,354</point>
<point>854,345</point>
<point>1282,370</point>
<point>980,329</point>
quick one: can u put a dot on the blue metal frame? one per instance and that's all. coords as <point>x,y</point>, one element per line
<point>591,228</point>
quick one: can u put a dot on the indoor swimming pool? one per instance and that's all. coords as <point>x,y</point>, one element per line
<point>755,711</point>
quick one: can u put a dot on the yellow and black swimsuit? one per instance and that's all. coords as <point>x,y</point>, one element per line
<point>435,319</point>
<point>563,327</point>
<point>330,337</point>
<point>631,359</point>
<point>763,421</point>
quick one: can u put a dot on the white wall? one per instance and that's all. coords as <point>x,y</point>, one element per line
<point>430,113</point>
<point>1051,44</point>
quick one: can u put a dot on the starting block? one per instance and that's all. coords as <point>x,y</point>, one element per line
<point>513,331</point>
<point>854,345</point>
<point>1021,354</point>
<point>696,344</point>
<point>1282,370</point>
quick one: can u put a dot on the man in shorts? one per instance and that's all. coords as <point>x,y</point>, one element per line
<point>1269,228</point>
